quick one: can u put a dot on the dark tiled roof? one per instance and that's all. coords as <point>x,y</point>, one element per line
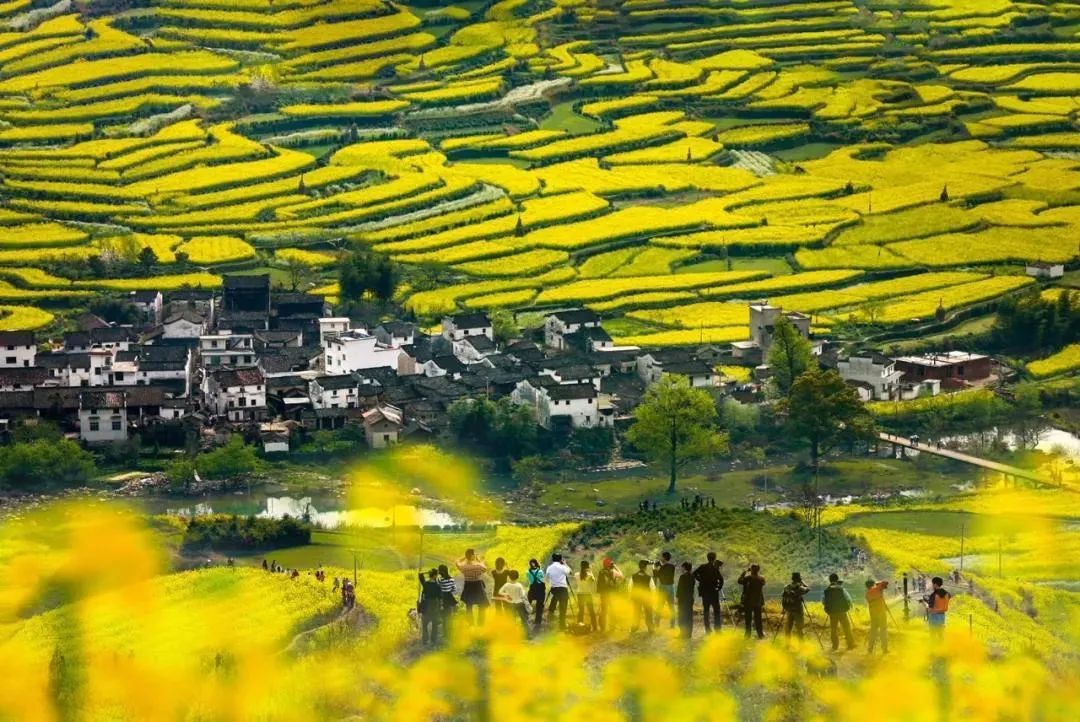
<point>14,400</point>
<point>246,282</point>
<point>450,364</point>
<point>470,320</point>
<point>101,399</point>
<point>76,338</point>
<point>238,377</point>
<point>144,296</point>
<point>480,343</point>
<point>563,392</point>
<point>398,328</point>
<point>578,315</point>
<point>186,314</point>
<point>23,376</point>
<point>51,360</point>
<point>112,334</point>
<point>17,338</point>
<point>344,381</point>
<point>689,368</point>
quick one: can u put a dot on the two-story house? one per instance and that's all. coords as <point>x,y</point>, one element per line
<point>334,392</point>
<point>872,374</point>
<point>462,325</point>
<point>103,417</point>
<point>237,394</point>
<point>559,325</point>
<point>18,349</point>
<point>357,350</point>
<point>226,349</point>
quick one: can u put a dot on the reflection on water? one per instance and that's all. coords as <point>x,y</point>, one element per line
<point>277,507</point>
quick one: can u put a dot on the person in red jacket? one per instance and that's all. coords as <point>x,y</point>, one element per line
<point>875,600</point>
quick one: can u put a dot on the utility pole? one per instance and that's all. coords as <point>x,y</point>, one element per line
<point>961,546</point>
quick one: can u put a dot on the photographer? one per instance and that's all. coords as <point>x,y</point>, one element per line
<point>753,599</point>
<point>875,600</point>
<point>791,600</point>
<point>641,596</point>
<point>558,576</point>
<point>664,574</point>
<point>710,584</point>
<point>608,581</point>
<point>534,580</point>
<point>473,594</point>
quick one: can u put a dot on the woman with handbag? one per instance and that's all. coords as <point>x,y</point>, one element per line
<point>534,579</point>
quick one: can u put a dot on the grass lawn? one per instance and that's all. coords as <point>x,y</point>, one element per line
<point>972,326</point>
<point>739,488</point>
<point>777,266</point>
<point>563,117</point>
<point>381,550</point>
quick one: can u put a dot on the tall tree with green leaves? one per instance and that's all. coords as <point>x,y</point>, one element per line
<point>825,412</point>
<point>676,423</point>
<point>789,355</point>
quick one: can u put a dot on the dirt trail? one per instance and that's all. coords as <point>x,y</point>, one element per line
<point>348,622</point>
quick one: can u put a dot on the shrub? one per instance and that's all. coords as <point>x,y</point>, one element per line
<point>222,532</point>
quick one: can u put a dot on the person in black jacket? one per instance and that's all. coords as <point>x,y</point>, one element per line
<point>753,599</point>
<point>430,607</point>
<point>710,583</point>
<point>684,598</point>
<point>664,576</point>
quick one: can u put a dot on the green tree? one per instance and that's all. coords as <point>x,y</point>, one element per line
<point>181,474</point>
<point>504,326</point>
<point>147,260</point>
<point>45,460</point>
<point>232,459</point>
<point>824,411</point>
<point>789,355</point>
<point>676,423</point>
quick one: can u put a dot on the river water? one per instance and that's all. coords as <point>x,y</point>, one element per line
<point>326,512</point>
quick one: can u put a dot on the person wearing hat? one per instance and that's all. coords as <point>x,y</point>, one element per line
<point>837,603</point>
<point>608,581</point>
<point>791,600</point>
<point>875,600</point>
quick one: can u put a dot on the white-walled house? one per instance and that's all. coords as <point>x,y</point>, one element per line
<point>383,425</point>
<point>237,394</point>
<point>471,349</point>
<point>18,349</point>
<point>455,328</point>
<point>1041,269</point>
<point>560,324</point>
<point>355,351</point>
<point>332,326</point>
<point>185,323</point>
<point>103,416</point>
<point>396,333</point>
<point>334,392</point>
<point>578,404</point>
<point>872,373</point>
<point>226,349</point>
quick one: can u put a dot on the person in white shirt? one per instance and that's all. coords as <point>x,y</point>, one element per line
<point>558,576</point>
<point>512,594</point>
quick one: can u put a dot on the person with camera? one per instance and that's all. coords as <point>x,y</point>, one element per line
<point>664,575</point>
<point>684,598</point>
<point>875,600</point>
<point>586,590</point>
<point>753,599</point>
<point>608,581</point>
<point>837,603</point>
<point>937,604</point>
<point>558,575</point>
<point>710,583</point>
<point>534,581</point>
<point>791,600</point>
<point>641,593</point>
<point>473,594</point>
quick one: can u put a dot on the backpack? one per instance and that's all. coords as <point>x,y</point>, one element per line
<point>790,600</point>
<point>835,601</point>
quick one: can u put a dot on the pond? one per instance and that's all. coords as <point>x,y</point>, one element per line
<point>328,512</point>
<point>1050,439</point>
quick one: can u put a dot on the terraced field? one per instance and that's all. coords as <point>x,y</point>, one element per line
<point>547,152</point>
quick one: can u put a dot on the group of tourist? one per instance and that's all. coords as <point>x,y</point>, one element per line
<point>658,588</point>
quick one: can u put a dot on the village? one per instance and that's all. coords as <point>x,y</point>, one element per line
<point>252,360</point>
